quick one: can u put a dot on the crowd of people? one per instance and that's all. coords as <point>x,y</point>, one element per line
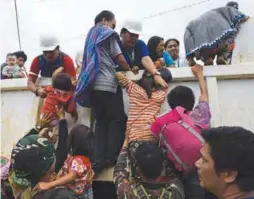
<point>172,156</point>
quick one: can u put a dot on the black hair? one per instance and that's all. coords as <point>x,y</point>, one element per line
<point>105,14</point>
<point>172,39</point>
<point>147,80</point>
<point>181,96</point>
<point>123,31</point>
<point>81,141</point>
<point>233,4</point>
<point>62,81</point>
<point>147,83</point>
<point>232,149</point>
<point>149,158</point>
<point>21,54</point>
<point>10,55</point>
<point>152,44</point>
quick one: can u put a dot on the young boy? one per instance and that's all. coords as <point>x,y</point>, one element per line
<point>12,70</point>
<point>60,94</point>
<point>200,115</point>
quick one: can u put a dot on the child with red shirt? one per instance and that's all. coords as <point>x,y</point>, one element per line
<point>60,94</point>
<point>76,174</point>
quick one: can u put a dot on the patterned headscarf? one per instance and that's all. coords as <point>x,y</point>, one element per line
<point>31,159</point>
<point>91,61</point>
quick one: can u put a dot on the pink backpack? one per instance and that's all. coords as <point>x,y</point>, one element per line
<point>182,140</point>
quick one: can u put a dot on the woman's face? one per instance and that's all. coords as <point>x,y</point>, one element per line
<point>111,23</point>
<point>173,49</point>
<point>160,48</point>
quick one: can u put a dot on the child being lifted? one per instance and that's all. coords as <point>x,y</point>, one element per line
<point>60,94</point>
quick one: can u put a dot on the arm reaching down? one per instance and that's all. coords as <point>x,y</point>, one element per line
<point>150,67</point>
<point>122,62</point>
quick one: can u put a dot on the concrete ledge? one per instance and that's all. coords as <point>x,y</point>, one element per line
<point>179,74</point>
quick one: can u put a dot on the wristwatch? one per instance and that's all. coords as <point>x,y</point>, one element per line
<point>157,73</point>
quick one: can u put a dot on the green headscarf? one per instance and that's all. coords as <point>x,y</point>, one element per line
<point>31,159</point>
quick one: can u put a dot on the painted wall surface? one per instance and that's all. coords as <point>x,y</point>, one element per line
<point>19,108</point>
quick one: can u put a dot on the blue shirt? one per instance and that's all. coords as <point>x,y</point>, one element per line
<point>134,55</point>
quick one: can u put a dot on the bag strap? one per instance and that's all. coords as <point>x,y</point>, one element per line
<point>191,130</point>
<point>140,192</point>
<point>166,194</point>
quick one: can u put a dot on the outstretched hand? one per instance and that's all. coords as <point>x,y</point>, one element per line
<point>135,70</point>
<point>42,186</point>
<point>197,70</point>
<point>60,112</point>
<point>45,120</point>
<point>74,116</point>
<point>158,80</point>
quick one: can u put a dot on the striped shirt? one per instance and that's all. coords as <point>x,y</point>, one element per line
<point>142,110</point>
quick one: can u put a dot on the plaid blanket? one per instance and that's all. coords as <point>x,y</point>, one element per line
<point>211,29</point>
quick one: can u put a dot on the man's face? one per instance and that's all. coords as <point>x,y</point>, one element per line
<point>209,178</point>
<point>173,48</point>
<point>20,61</point>
<point>11,60</point>
<point>129,39</point>
<point>51,56</point>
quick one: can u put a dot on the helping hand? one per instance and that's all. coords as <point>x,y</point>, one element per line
<point>135,70</point>
<point>197,70</point>
<point>42,186</point>
<point>158,80</point>
<point>74,116</point>
<point>41,92</point>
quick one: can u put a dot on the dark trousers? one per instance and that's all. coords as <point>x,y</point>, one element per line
<point>110,126</point>
<point>192,188</point>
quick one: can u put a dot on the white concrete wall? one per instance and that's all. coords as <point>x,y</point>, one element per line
<point>231,93</point>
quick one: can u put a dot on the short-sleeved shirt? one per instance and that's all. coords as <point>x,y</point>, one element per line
<point>200,115</point>
<point>67,64</point>
<point>105,79</point>
<point>82,166</point>
<point>57,97</point>
<point>142,111</point>
<point>134,55</point>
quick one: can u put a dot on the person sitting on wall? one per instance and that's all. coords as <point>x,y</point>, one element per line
<point>46,64</point>
<point>172,47</point>
<point>21,60</point>
<point>12,70</point>
<point>157,53</point>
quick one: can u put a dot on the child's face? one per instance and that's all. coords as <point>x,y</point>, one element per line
<point>11,60</point>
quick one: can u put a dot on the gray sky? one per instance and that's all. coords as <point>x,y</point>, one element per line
<point>70,20</point>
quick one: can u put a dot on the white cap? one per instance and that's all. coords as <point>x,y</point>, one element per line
<point>48,42</point>
<point>133,26</point>
<point>79,58</point>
